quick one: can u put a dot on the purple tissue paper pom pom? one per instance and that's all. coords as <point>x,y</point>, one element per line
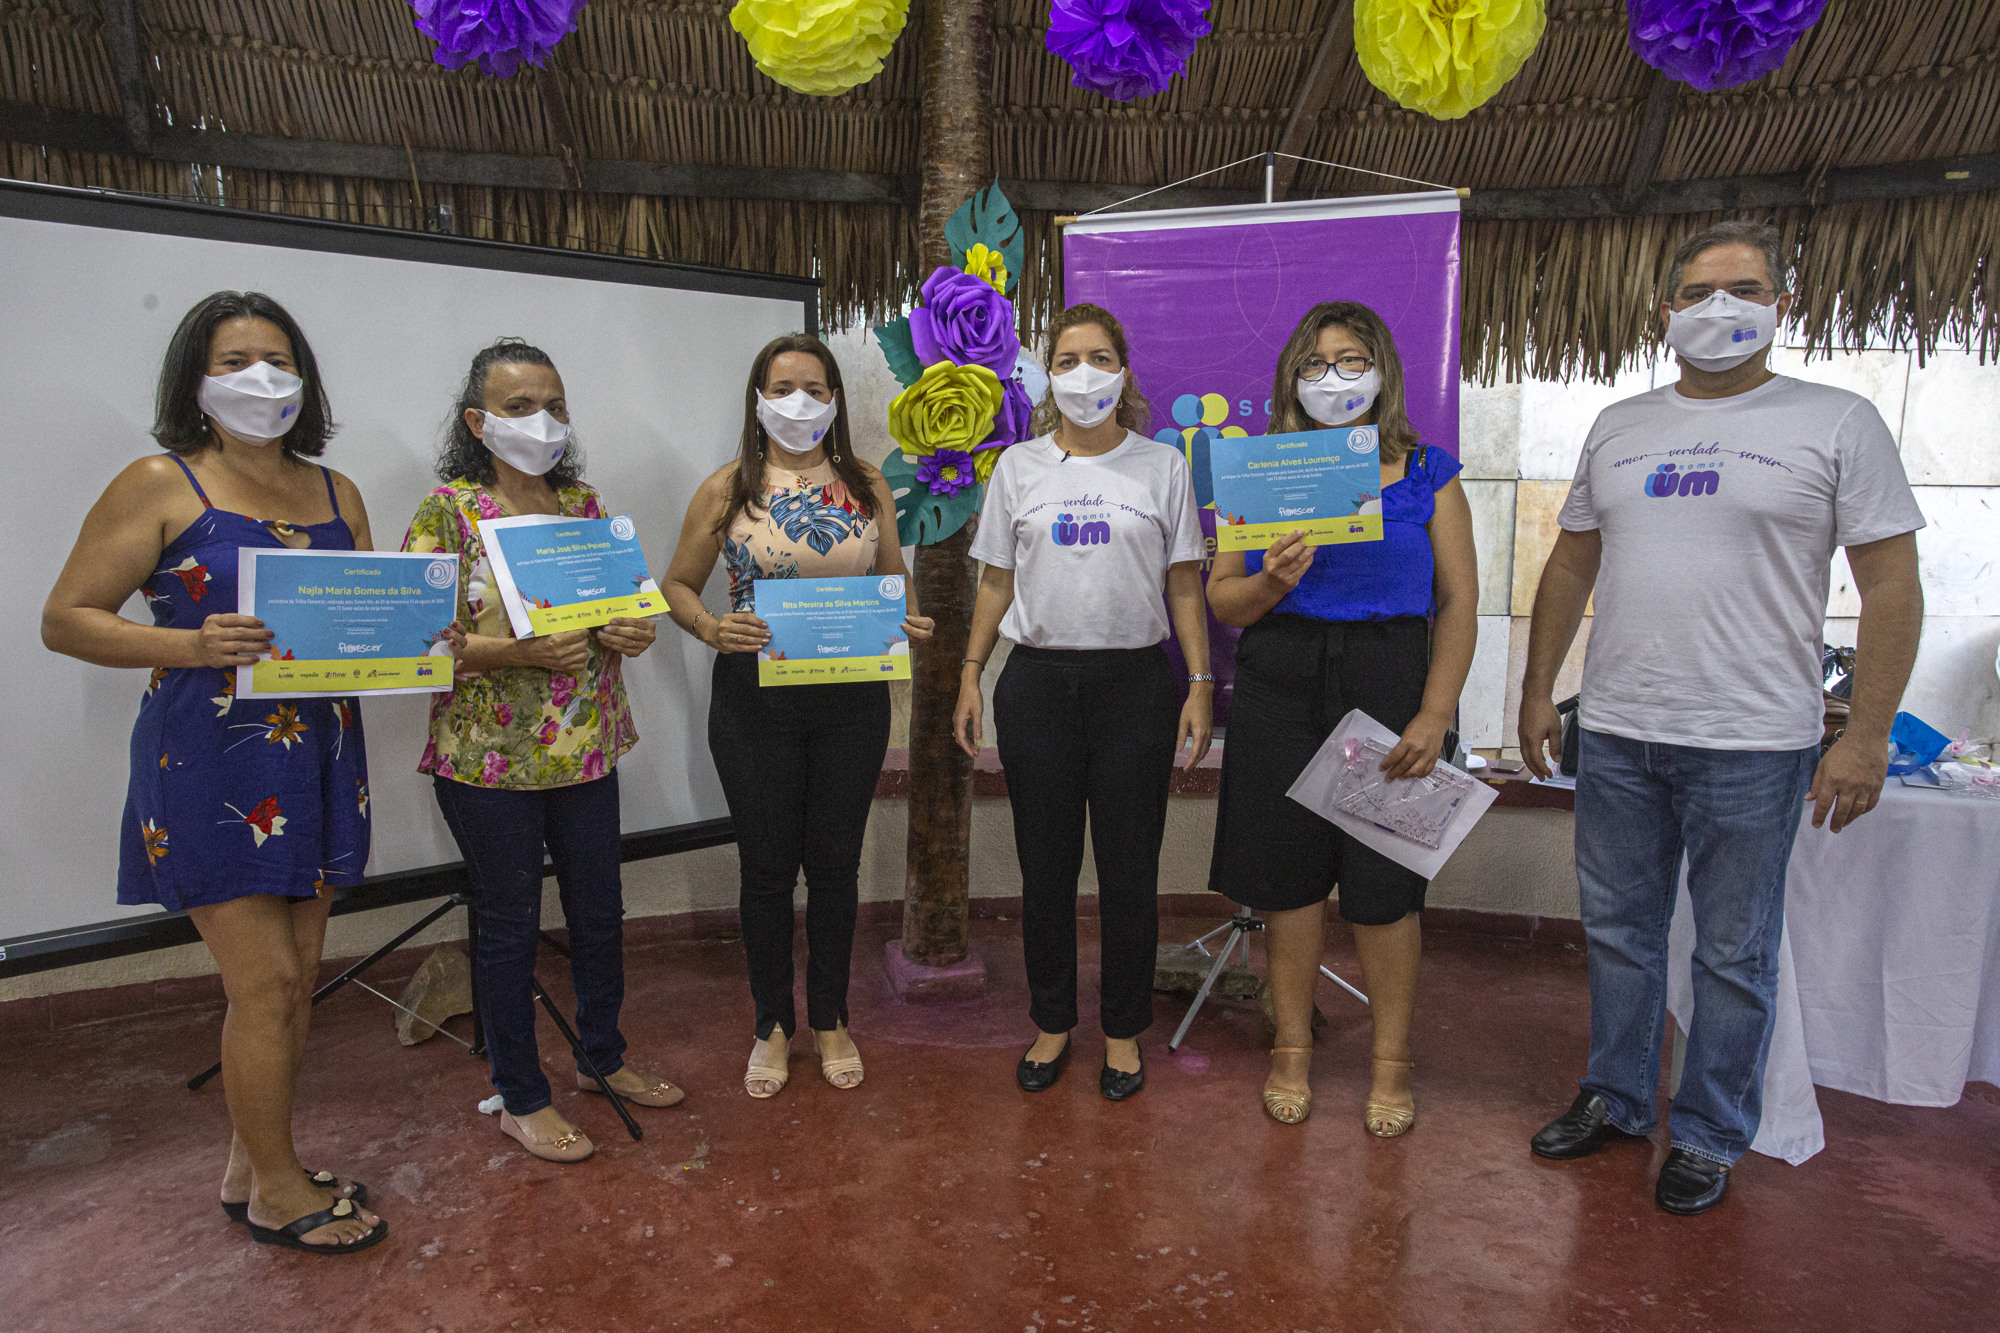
<point>931,472</point>
<point>1126,49</point>
<point>1010,423</point>
<point>499,34</point>
<point>1711,44</point>
<point>964,321</point>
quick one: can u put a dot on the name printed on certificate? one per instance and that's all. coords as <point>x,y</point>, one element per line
<point>558,573</point>
<point>1325,483</point>
<point>833,630</point>
<point>348,622</point>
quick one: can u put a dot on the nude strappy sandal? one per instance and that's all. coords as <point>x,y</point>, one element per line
<point>772,1074</point>
<point>1388,1122</point>
<point>1288,1108</point>
<point>832,1069</point>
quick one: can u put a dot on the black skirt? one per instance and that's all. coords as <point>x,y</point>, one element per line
<point>1295,679</point>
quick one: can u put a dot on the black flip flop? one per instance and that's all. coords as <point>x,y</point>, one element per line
<point>326,1180</point>
<point>288,1235</point>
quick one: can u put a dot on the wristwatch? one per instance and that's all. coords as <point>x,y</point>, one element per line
<point>1203,675</point>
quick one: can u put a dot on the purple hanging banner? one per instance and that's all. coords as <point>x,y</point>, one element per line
<point>1208,297</point>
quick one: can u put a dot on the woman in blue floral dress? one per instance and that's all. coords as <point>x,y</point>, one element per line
<point>241,813</point>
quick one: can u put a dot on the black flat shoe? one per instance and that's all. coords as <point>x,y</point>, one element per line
<point>1041,1075</point>
<point>1117,1085</point>
<point>1578,1132</point>
<point>1690,1184</point>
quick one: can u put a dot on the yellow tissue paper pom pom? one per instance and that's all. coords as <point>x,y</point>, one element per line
<point>820,47</point>
<point>1444,57</point>
<point>989,265</point>
<point>950,407</point>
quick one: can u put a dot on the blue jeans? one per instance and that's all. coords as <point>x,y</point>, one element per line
<point>501,833</point>
<point>1735,813</point>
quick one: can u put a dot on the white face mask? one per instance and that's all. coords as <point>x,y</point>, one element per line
<point>1087,395</point>
<point>531,444</point>
<point>798,421</point>
<point>1721,331</point>
<point>1333,401</point>
<point>256,404</point>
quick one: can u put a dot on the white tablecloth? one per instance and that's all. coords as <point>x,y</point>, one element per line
<point>1889,971</point>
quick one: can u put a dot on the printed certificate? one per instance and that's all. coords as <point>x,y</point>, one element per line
<point>560,574</point>
<point>1325,483</point>
<point>348,622</point>
<point>832,630</point>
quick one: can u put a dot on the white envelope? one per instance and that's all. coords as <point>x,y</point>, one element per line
<point>1316,786</point>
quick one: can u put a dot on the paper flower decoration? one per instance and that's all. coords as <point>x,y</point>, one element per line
<point>946,472</point>
<point>1010,426</point>
<point>988,266</point>
<point>1126,49</point>
<point>499,34</point>
<point>1710,44</point>
<point>1445,57</point>
<point>963,319</point>
<point>949,407</point>
<point>821,47</point>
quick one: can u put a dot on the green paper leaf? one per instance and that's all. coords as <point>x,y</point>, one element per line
<point>899,352</point>
<point>987,219</point>
<point>923,519</point>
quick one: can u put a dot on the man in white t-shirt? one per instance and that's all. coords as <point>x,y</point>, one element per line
<point>1705,514</point>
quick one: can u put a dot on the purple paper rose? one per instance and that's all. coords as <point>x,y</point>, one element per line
<point>499,34</point>
<point>1011,422</point>
<point>946,472</point>
<point>1711,44</point>
<point>964,321</point>
<point>1126,49</point>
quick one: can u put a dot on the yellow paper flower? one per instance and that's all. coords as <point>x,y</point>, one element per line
<point>950,407</point>
<point>989,265</point>
<point>1444,57</point>
<point>983,464</point>
<point>822,47</point>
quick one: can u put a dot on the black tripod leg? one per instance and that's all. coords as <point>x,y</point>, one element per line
<point>195,1084</point>
<point>604,1085</point>
<point>472,949</point>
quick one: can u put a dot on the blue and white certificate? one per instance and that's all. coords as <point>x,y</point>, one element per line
<point>832,630</point>
<point>348,622</point>
<point>1325,483</point>
<point>558,573</point>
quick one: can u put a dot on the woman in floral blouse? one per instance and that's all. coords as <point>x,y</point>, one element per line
<point>523,753</point>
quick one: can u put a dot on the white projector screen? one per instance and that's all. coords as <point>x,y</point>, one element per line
<point>653,357</point>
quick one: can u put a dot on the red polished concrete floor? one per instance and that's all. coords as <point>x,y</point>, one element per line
<point>939,1196</point>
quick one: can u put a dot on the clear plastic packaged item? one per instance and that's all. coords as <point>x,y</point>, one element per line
<point>1419,809</point>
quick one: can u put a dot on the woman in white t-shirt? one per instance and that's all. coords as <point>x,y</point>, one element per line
<point>1083,529</point>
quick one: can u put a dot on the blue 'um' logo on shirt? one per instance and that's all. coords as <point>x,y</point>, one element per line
<point>1665,481</point>
<point>1069,532</point>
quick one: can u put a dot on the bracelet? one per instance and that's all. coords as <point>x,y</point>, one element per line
<point>1201,676</point>
<point>694,628</point>
<point>971,661</point>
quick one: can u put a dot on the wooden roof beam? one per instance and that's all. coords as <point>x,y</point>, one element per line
<point>1329,62</point>
<point>84,132</point>
<point>127,49</point>
<point>1661,99</point>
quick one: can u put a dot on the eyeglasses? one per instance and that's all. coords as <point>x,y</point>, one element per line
<point>1754,292</point>
<point>1350,367</point>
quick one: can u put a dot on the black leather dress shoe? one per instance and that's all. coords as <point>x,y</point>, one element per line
<point>1578,1132</point>
<point>1117,1085</point>
<point>1690,1184</point>
<point>1041,1075</point>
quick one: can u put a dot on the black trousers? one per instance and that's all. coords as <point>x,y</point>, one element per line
<point>1088,731</point>
<point>799,764</point>
<point>501,834</point>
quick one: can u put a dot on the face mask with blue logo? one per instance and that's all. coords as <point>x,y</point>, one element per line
<point>1333,401</point>
<point>1087,395</point>
<point>256,405</point>
<point>532,444</point>
<point>798,421</point>
<point>1721,331</point>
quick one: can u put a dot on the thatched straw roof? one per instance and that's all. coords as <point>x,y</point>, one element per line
<point>1561,290</point>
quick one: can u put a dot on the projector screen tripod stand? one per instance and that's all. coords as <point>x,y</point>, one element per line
<point>1237,929</point>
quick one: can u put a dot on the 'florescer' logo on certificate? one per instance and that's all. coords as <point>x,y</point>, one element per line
<point>1324,483</point>
<point>830,630</point>
<point>348,622</point>
<point>559,574</point>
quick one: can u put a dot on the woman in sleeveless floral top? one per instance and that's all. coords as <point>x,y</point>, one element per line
<point>798,763</point>
<point>243,814</point>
